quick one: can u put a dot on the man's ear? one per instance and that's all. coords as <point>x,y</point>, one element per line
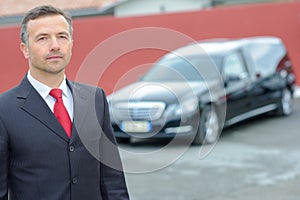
<point>25,50</point>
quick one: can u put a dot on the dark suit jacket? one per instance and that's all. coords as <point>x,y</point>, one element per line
<point>39,162</point>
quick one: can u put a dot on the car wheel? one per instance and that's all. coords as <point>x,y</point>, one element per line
<point>285,106</point>
<point>208,129</point>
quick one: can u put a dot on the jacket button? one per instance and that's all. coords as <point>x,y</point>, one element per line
<point>71,148</point>
<point>74,180</point>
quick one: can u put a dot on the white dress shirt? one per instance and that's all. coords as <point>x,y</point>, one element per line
<point>44,91</point>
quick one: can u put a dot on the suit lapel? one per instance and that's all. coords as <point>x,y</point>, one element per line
<point>79,104</point>
<point>85,118</point>
<point>76,98</point>
<point>37,107</point>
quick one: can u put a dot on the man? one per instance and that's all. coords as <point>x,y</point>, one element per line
<point>56,140</point>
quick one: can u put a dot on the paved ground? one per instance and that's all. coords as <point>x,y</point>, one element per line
<point>256,160</point>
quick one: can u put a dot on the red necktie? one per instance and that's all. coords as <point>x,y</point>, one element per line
<point>61,112</point>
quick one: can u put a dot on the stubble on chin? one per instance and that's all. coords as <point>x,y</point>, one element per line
<point>46,69</point>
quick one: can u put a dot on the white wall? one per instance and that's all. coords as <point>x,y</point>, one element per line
<point>146,7</point>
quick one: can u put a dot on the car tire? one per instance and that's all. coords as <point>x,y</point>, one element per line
<point>285,105</point>
<point>209,126</point>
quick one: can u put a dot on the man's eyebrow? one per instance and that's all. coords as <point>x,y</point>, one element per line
<point>46,34</point>
<point>41,34</point>
<point>63,33</point>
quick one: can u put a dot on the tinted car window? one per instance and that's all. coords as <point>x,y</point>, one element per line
<point>234,66</point>
<point>266,57</point>
<point>192,68</point>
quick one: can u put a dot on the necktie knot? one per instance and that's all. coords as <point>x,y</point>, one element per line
<point>56,93</point>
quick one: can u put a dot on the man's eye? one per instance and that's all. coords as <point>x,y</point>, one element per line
<point>42,38</point>
<point>63,37</point>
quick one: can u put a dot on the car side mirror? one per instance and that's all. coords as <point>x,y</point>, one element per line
<point>231,78</point>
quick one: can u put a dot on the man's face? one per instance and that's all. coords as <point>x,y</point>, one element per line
<point>49,45</point>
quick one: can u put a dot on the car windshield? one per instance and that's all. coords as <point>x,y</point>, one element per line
<point>188,68</point>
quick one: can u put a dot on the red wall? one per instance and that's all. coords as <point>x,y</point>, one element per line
<point>112,52</point>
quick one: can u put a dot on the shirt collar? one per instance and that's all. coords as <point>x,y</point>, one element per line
<point>43,89</point>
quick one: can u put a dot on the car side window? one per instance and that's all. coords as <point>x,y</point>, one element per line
<point>234,68</point>
<point>266,57</point>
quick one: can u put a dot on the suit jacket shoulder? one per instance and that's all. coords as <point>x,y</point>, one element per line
<point>13,97</point>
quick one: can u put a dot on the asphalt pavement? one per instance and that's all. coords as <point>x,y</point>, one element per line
<point>258,159</point>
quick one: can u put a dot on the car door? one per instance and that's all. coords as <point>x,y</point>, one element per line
<point>268,85</point>
<point>237,83</point>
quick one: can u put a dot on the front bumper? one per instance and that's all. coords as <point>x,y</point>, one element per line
<point>161,129</point>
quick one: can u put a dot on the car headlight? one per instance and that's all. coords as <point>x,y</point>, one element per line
<point>186,107</point>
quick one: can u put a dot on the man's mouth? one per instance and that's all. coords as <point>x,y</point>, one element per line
<point>54,57</point>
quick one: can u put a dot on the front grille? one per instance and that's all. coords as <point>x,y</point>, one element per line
<point>138,111</point>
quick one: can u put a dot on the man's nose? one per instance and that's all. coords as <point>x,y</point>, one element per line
<point>54,45</point>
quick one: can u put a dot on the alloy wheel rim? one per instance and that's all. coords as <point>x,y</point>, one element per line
<point>212,127</point>
<point>286,102</point>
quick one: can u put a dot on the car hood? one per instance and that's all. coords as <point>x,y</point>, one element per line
<point>168,92</point>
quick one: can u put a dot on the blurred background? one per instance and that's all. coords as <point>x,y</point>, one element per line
<point>255,159</point>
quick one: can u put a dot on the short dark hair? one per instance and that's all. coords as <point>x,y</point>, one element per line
<point>41,11</point>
